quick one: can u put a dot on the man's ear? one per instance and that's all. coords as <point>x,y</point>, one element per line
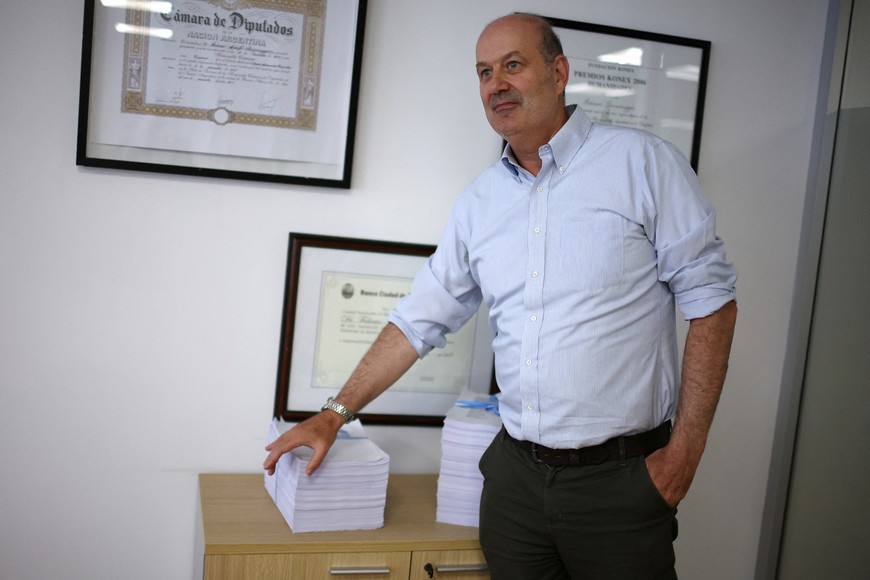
<point>561,69</point>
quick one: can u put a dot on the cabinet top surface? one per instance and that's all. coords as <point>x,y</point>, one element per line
<point>238,516</point>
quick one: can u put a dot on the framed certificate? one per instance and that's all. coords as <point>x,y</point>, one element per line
<point>638,79</point>
<point>247,89</point>
<point>339,292</point>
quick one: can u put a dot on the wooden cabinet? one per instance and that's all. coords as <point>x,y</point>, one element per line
<point>242,536</point>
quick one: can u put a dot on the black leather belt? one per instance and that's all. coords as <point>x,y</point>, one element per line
<point>618,448</point>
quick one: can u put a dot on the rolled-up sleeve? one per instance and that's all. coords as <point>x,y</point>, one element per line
<point>444,295</point>
<point>691,257</point>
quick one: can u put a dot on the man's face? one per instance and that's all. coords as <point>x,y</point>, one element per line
<point>521,95</point>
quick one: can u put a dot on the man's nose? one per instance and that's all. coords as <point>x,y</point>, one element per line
<point>498,83</point>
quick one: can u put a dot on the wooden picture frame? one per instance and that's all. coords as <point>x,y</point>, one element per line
<point>338,295</point>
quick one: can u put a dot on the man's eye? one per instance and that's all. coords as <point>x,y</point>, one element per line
<point>484,73</point>
<point>513,65</point>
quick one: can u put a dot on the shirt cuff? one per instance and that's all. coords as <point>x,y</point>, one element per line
<point>416,341</point>
<point>705,301</point>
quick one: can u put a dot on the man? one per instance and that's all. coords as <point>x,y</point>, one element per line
<point>580,240</point>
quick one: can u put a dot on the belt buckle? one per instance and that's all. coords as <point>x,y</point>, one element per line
<point>535,453</point>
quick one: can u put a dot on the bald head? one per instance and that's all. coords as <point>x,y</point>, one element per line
<point>549,45</point>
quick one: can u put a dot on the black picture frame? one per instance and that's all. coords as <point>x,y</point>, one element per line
<point>647,80</point>
<point>275,100</point>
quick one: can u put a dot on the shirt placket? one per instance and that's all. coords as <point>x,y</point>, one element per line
<point>533,298</point>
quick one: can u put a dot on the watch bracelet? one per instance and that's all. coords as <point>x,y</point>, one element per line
<point>335,406</point>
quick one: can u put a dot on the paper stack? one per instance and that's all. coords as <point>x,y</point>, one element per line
<point>347,492</point>
<point>469,428</point>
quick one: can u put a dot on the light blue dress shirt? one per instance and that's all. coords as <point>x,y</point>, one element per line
<point>581,267</point>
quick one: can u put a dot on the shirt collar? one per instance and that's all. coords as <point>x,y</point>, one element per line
<point>565,143</point>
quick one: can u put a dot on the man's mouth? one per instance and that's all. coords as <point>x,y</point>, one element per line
<point>504,106</point>
<point>504,103</point>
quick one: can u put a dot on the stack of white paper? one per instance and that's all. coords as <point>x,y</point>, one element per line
<point>347,492</point>
<point>468,430</point>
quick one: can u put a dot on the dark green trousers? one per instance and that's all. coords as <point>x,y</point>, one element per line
<point>573,522</point>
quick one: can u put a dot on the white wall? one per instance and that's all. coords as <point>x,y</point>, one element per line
<point>139,313</point>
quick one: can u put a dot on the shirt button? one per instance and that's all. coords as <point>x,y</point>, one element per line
<point>540,189</point>
<point>561,169</point>
<point>529,363</point>
<point>530,406</point>
<point>534,318</point>
<point>534,274</point>
<point>537,230</point>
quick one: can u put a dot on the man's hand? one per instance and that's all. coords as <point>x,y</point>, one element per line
<point>317,432</point>
<point>386,360</point>
<point>672,471</point>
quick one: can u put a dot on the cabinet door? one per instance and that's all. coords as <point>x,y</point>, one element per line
<point>449,565</point>
<point>325,566</point>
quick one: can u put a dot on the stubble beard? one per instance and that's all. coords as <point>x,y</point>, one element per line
<point>501,122</point>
